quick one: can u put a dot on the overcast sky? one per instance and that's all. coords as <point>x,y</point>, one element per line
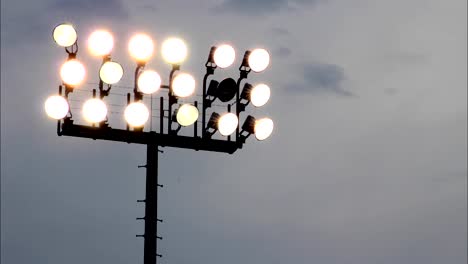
<point>367,163</point>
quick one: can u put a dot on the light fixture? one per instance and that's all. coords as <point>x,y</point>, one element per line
<point>227,124</point>
<point>111,72</point>
<point>64,35</point>
<point>100,43</point>
<point>174,50</point>
<point>72,72</point>
<point>149,82</point>
<point>258,60</point>
<point>136,114</point>
<point>183,85</point>
<point>262,128</point>
<point>224,91</point>
<point>224,56</point>
<point>56,107</point>
<point>258,94</point>
<point>187,115</point>
<point>141,47</point>
<point>94,110</point>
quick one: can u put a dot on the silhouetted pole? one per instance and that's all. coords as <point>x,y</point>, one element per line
<point>151,207</point>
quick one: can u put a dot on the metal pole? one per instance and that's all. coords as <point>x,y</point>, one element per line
<point>151,207</point>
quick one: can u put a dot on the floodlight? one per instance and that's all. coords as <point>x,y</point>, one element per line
<point>259,60</point>
<point>258,94</point>
<point>94,110</point>
<point>72,72</point>
<point>136,114</point>
<point>64,35</point>
<point>174,50</point>
<point>56,107</point>
<point>187,115</point>
<point>183,85</point>
<point>141,47</point>
<point>111,72</point>
<point>100,43</point>
<point>224,56</point>
<point>227,124</point>
<point>149,82</point>
<point>262,128</point>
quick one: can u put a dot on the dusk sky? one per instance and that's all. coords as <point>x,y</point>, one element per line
<point>367,163</point>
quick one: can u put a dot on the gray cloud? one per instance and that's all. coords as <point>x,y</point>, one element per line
<point>279,31</point>
<point>91,8</point>
<point>249,7</point>
<point>283,52</point>
<point>323,77</point>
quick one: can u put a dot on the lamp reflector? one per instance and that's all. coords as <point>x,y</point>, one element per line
<point>227,124</point>
<point>226,90</point>
<point>64,35</point>
<point>141,47</point>
<point>259,59</point>
<point>111,72</point>
<point>149,82</point>
<point>174,50</point>
<point>136,114</point>
<point>100,43</point>
<point>263,128</point>
<point>224,56</point>
<point>260,94</point>
<point>183,85</point>
<point>94,110</point>
<point>72,72</point>
<point>56,107</point>
<point>187,115</point>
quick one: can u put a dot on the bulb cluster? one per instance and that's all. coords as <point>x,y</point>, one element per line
<point>147,81</point>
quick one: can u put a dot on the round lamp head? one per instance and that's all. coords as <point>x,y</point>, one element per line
<point>224,56</point>
<point>56,107</point>
<point>111,72</point>
<point>260,94</point>
<point>259,59</point>
<point>72,72</point>
<point>149,82</point>
<point>136,114</point>
<point>263,128</point>
<point>100,43</point>
<point>64,35</point>
<point>187,115</point>
<point>226,90</point>
<point>227,124</point>
<point>141,47</point>
<point>94,110</point>
<point>183,85</point>
<point>174,50</point>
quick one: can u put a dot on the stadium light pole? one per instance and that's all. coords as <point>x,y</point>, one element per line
<point>136,114</point>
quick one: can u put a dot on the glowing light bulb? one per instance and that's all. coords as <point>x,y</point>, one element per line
<point>187,115</point>
<point>260,95</point>
<point>263,128</point>
<point>111,72</point>
<point>94,110</point>
<point>149,82</point>
<point>136,114</point>
<point>56,107</point>
<point>183,85</point>
<point>174,50</point>
<point>227,124</point>
<point>141,47</point>
<point>224,56</point>
<point>64,35</point>
<point>72,72</point>
<point>259,59</point>
<point>100,43</point>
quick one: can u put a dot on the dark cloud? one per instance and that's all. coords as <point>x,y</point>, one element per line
<point>255,7</point>
<point>91,8</point>
<point>323,77</point>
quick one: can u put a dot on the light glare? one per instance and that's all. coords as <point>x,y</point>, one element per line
<point>72,72</point>
<point>183,85</point>
<point>227,124</point>
<point>259,59</point>
<point>111,72</point>
<point>260,95</point>
<point>100,43</point>
<point>149,82</point>
<point>174,50</point>
<point>136,114</point>
<point>141,47</point>
<point>263,128</point>
<point>64,35</point>
<point>224,56</point>
<point>187,115</point>
<point>94,110</point>
<point>56,107</point>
